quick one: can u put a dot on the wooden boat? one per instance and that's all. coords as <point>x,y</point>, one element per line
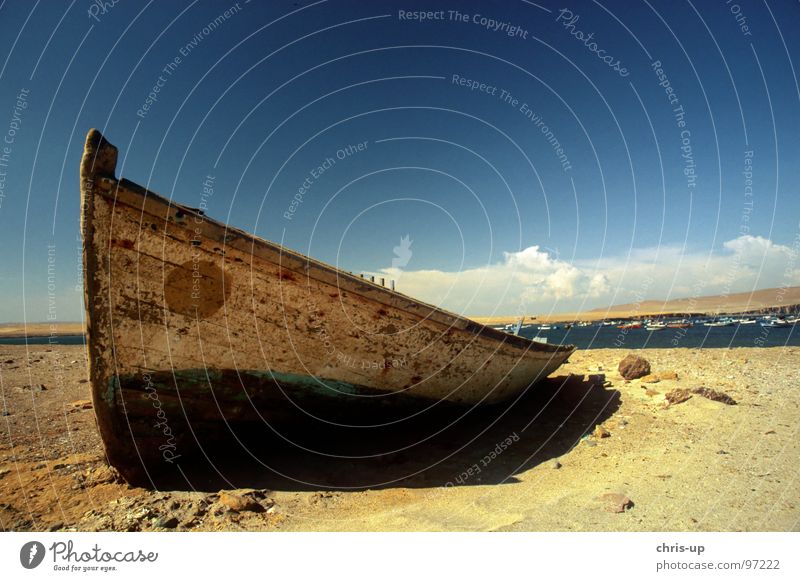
<point>778,323</point>
<point>195,327</point>
<point>630,326</point>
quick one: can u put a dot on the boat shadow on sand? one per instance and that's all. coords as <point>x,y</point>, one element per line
<point>445,446</point>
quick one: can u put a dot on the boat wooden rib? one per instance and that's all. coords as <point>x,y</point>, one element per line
<point>194,327</point>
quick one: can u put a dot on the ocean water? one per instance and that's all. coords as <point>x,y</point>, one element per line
<point>63,340</point>
<point>598,337</point>
<point>696,336</point>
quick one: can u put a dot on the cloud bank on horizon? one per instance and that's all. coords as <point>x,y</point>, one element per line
<point>532,280</point>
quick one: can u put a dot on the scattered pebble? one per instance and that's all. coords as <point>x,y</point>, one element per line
<point>34,387</point>
<point>239,502</point>
<point>82,404</point>
<point>165,522</point>
<point>616,502</point>
<point>714,395</point>
<point>633,367</point>
<point>601,432</point>
<point>677,396</point>
<point>555,464</point>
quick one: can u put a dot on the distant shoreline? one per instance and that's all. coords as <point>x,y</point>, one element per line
<point>765,301</point>
<point>17,330</point>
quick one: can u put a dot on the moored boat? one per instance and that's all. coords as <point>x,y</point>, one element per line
<point>777,323</point>
<point>719,323</point>
<point>195,327</point>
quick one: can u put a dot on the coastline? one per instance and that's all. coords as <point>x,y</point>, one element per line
<point>699,465</point>
<point>19,330</point>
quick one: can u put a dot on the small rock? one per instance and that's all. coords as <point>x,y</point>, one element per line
<point>5,413</point>
<point>668,376</point>
<point>590,443</point>
<point>239,503</point>
<point>82,404</point>
<point>616,502</point>
<point>768,432</point>
<point>8,361</point>
<point>714,395</point>
<point>650,392</point>
<point>651,378</point>
<point>677,396</point>
<point>601,432</point>
<point>57,526</point>
<point>555,464</point>
<point>35,387</point>
<point>165,522</point>
<point>4,471</point>
<point>633,367</point>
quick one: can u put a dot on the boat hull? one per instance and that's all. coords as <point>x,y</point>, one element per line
<point>194,327</point>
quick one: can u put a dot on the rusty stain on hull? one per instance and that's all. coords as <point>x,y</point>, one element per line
<point>193,325</point>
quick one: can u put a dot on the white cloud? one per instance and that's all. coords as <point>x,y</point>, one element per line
<point>532,280</point>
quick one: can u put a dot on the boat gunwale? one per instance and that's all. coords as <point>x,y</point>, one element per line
<point>302,262</point>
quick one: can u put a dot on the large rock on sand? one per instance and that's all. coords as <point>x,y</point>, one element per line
<point>633,367</point>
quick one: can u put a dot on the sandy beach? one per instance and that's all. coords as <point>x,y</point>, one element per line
<point>699,465</point>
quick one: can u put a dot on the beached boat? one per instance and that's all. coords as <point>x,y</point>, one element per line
<point>194,328</point>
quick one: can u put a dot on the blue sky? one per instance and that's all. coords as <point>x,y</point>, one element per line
<point>498,215</point>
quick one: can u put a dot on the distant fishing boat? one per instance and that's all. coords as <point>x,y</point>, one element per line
<point>682,324</point>
<point>719,323</point>
<point>630,326</point>
<point>194,327</point>
<point>746,321</point>
<point>776,323</point>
